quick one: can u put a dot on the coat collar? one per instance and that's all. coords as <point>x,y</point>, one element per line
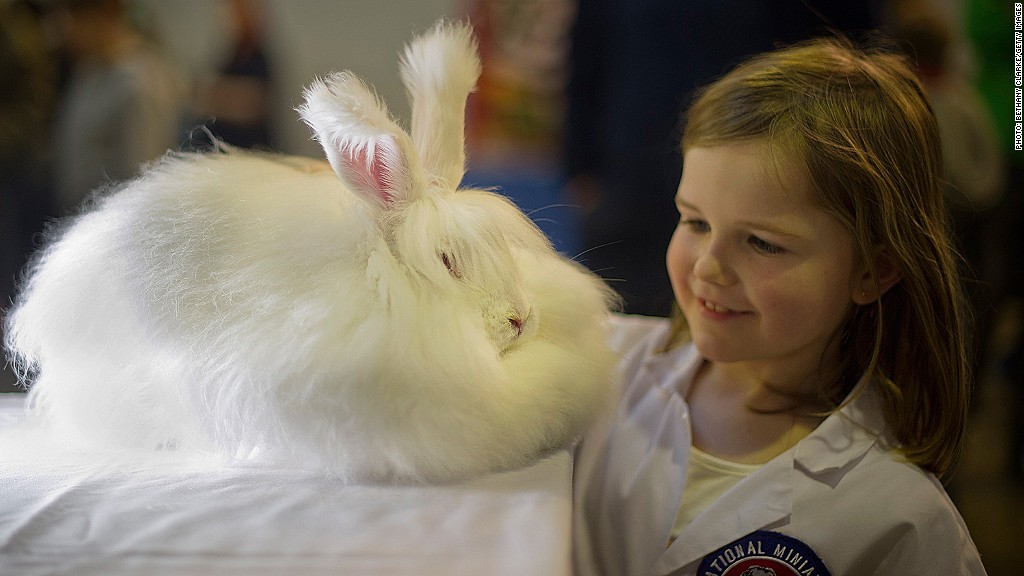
<point>632,473</point>
<point>765,498</point>
<point>844,436</point>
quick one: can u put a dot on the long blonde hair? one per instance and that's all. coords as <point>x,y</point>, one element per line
<point>860,125</point>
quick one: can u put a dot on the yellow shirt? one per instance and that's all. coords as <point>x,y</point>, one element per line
<point>707,478</point>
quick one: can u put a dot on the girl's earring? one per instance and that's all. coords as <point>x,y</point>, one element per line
<point>864,300</point>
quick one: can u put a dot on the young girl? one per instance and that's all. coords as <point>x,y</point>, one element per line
<point>794,417</point>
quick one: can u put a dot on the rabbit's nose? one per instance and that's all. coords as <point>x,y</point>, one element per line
<point>517,325</point>
<point>521,322</point>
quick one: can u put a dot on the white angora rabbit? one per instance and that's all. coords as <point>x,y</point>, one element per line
<point>374,321</point>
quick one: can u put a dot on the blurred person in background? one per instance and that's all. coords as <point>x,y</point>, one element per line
<point>990,29</point>
<point>974,167</point>
<point>236,103</point>
<point>123,105</point>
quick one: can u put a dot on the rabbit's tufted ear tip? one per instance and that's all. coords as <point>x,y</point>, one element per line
<point>439,70</point>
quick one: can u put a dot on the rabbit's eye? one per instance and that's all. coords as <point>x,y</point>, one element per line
<point>450,264</point>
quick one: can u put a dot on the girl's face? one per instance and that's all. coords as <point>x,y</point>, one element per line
<point>761,274</point>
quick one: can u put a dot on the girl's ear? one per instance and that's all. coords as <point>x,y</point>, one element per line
<point>871,284</point>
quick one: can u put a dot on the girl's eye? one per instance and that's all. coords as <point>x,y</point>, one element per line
<point>450,264</point>
<point>764,246</point>
<point>695,225</point>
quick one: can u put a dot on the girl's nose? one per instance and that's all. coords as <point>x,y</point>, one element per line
<point>711,264</point>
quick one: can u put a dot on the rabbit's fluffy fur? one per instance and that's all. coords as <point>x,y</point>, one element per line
<point>371,320</point>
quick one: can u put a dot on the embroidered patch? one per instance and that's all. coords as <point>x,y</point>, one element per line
<point>763,553</point>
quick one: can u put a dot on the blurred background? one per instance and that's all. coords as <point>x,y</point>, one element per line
<point>576,118</point>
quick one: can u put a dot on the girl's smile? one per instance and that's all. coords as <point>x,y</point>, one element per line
<point>716,311</point>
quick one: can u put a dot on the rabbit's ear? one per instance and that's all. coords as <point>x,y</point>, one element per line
<point>439,70</point>
<point>366,148</point>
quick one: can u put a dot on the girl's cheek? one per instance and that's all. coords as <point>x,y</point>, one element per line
<point>677,257</point>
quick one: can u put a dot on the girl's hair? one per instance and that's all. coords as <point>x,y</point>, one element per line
<point>860,126</point>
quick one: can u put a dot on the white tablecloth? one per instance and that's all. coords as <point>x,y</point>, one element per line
<point>60,517</point>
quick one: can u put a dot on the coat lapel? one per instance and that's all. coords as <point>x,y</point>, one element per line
<point>648,443</point>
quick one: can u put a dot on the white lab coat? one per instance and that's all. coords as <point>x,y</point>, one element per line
<point>840,494</point>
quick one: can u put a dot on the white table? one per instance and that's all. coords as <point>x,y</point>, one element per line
<point>59,515</point>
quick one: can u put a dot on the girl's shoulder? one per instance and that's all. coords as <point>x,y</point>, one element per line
<point>900,516</point>
<point>899,513</point>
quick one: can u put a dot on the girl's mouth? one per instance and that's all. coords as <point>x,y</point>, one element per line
<point>716,309</point>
